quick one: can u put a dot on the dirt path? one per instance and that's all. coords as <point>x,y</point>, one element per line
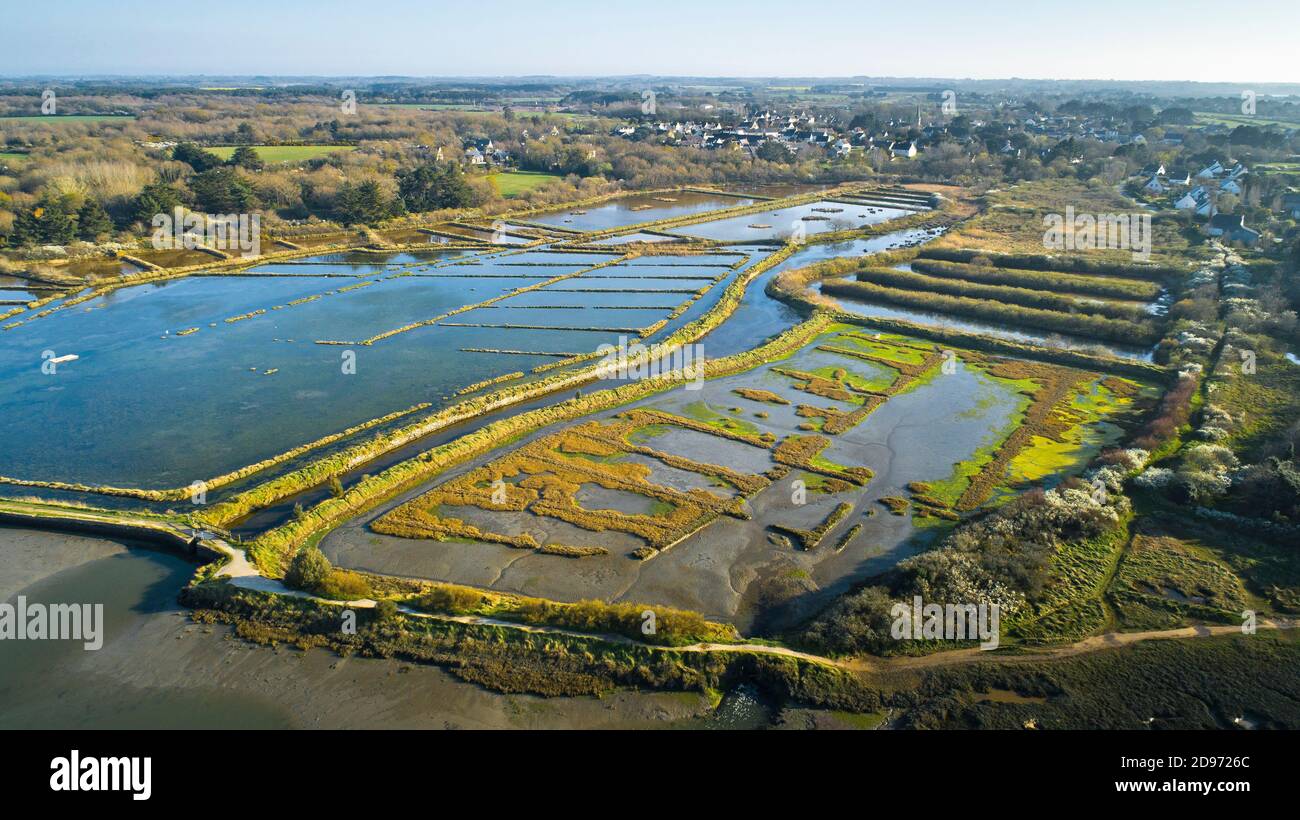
<point>244,576</point>
<point>1108,640</point>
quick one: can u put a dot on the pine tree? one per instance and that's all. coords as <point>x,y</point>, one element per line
<point>221,191</point>
<point>360,204</point>
<point>195,157</point>
<point>434,186</point>
<point>247,157</point>
<point>92,221</point>
<point>155,198</point>
<point>51,222</point>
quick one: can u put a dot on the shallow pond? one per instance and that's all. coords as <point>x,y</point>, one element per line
<point>634,237</point>
<point>635,209</point>
<point>782,223</point>
<point>944,320</point>
<point>736,569</point>
<point>759,317</point>
<point>146,406</point>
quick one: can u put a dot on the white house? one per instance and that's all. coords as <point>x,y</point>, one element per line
<point>1153,186</point>
<point>1197,201</point>
<point>903,149</point>
<point>1211,171</point>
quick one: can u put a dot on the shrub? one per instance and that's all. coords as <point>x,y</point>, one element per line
<point>344,585</point>
<point>308,570</point>
<point>452,599</point>
<point>385,611</point>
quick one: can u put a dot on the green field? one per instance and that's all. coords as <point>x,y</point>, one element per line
<point>272,154</point>
<point>437,107</point>
<point>1209,118</point>
<point>11,159</point>
<point>68,118</point>
<point>513,183</point>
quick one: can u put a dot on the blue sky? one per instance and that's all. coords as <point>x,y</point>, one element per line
<point>1247,40</point>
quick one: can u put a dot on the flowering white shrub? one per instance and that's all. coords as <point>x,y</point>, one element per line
<point>951,576</point>
<point>1212,433</point>
<point>1156,478</point>
<point>1111,477</point>
<point>1209,458</point>
<point>1217,416</point>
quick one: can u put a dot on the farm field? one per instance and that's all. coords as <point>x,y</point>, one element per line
<point>285,153</point>
<point>1013,222</point>
<point>513,183</point>
<point>1210,118</point>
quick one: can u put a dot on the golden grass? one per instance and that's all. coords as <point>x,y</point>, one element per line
<point>544,477</point>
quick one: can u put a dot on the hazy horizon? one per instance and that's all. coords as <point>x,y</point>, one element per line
<point>1162,41</point>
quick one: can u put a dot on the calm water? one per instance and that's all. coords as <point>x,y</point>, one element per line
<point>813,218</point>
<point>143,406</point>
<point>945,320</point>
<point>760,317</point>
<point>633,210</point>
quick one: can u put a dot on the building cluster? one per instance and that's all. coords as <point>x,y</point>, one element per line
<point>1200,192</point>
<point>485,152</point>
<point>793,132</point>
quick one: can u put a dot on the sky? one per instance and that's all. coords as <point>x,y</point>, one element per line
<point>1242,41</point>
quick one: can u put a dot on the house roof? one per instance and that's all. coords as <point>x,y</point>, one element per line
<point>1227,222</point>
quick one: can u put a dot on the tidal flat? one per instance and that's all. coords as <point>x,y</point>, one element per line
<point>740,569</point>
<point>160,669</point>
